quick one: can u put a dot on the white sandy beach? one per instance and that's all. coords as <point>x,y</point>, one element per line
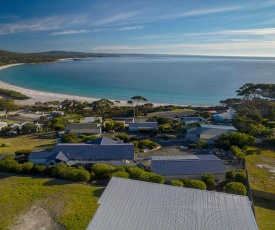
<point>41,96</point>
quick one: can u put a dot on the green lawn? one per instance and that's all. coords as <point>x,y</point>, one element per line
<point>72,204</point>
<point>265,213</point>
<point>261,163</point>
<point>32,141</point>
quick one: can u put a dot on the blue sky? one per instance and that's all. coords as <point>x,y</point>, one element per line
<point>196,27</point>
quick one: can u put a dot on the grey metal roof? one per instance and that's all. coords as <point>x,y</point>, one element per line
<point>143,125</point>
<point>103,141</point>
<point>129,204</point>
<point>223,116</point>
<point>226,127</point>
<point>40,154</point>
<point>83,126</point>
<point>203,164</point>
<point>96,152</point>
<point>177,157</point>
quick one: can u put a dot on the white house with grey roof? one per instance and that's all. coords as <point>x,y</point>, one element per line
<point>190,166</point>
<point>208,133</point>
<point>134,205</point>
<point>136,126</point>
<point>100,150</point>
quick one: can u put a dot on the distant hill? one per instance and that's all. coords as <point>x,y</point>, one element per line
<point>8,57</point>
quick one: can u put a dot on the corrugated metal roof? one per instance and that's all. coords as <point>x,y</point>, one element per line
<point>103,141</point>
<point>96,152</point>
<point>143,125</point>
<point>203,164</point>
<point>40,154</point>
<point>128,204</point>
<point>178,157</point>
<point>226,127</point>
<point>223,116</point>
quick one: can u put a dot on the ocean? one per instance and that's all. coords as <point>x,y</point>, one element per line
<point>179,80</point>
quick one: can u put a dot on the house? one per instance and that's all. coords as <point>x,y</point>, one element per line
<point>222,117</point>
<point>208,133</point>
<point>101,149</point>
<point>126,120</point>
<point>189,120</point>
<point>136,126</point>
<point>91,119</point>
<point>132,204</point>
<point>190,166</point>
<point>83,128</point>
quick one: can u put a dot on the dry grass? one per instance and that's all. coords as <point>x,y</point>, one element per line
<point>32,141</point>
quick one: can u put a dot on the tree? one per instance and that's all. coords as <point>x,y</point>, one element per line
<point>29,127</point>
<point>235,188</point>
<point>7,105</point>
<point>70,138</point>
<point>138,99</point>
<point>101,106</point>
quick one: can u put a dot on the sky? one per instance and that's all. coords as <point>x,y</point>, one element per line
<point>192,27</point>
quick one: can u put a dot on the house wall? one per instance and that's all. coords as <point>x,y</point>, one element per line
<point>217,177</point>
<point>192,137</point>
<point>135,129</point>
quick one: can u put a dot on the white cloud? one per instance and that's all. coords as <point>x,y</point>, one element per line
<point>130,28</point>
<point>66,32</point>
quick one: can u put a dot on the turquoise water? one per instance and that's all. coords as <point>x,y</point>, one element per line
<point>161,79</point>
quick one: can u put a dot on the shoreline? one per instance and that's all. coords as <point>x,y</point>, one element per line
<point>41,96</point>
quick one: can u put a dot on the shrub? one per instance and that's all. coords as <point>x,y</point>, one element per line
<point>176,183</point>
<point>72,174</point>
<point>207,176</point>
<point>210,184</point>
<point>147,143</point>
<point>24,152</point>
<point>7,165</point>
<point>230,175</point>
<point>185,181</point>
<point>120,174</point>
<point>240,177</point>
<point>202,144</point>
<point>59,127</point>
<point>197,184</point>
<point>192,146</point>
<point>82,175</point>
<point>39,168</point>
<point>120,169</point>
<point>49,169</point>
<point>102,170</point>
<point>27,167</point>
<point>240,156</point>
<point>151,177</point>
<point>60,170</point>
<point>9,157</point>
<point>109,126</point>
<point>124,137</point>
<point>235,188</point>
<point>17,168</point>
<point>135,172</point>
<point>118,125</point>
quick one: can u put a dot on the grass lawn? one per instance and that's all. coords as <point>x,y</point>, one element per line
<point>32,141</point>
<point>265,213</point>
<point>71,204</point>
<point>261,168</point>
<point>260,162</point>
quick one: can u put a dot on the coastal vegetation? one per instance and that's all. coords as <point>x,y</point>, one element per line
<point>13,94</point>
<point>8,57</point>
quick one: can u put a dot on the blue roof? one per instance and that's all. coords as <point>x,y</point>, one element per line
<point>40,154</point>
<point>96,152</point>
<point>144,124</point>
<point>194,165</point>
